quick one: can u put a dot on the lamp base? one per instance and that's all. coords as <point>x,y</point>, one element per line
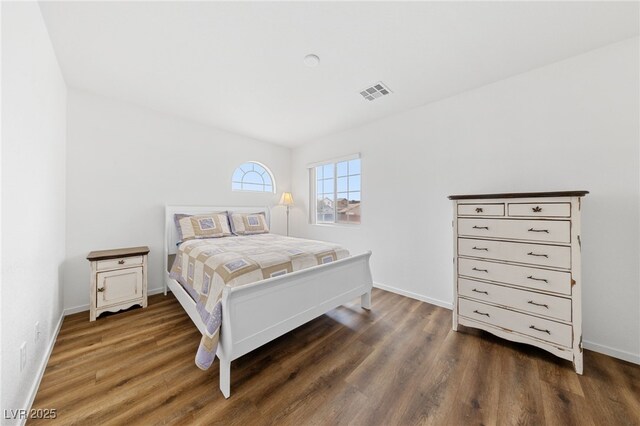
<point>287,221</point>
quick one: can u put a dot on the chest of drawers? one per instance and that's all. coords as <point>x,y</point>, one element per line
<point>517,268</point>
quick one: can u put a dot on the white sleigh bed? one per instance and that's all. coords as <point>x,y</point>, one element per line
<point>257,313</point>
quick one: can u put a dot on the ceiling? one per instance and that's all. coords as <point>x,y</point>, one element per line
<point>239,66</point>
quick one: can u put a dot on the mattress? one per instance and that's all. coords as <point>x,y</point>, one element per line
<point>205,266</point>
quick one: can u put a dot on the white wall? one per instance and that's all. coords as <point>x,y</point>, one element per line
<point>569,125</point>
<point>124,163</point>
<point>33,196</point>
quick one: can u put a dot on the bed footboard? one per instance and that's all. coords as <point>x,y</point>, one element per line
<point>255,314</point>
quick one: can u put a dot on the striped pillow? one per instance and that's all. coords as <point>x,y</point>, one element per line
<point>212,225</point>
<point>248,223</point>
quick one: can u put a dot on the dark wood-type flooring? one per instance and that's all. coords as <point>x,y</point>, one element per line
<point>400,364</point>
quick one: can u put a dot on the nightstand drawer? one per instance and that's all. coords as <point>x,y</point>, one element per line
<point>539,328</point>
<point>118,286</point>
<point>527,301</point>
<point>540,209</point>
<point>481,209</point>
<point>119,263</point>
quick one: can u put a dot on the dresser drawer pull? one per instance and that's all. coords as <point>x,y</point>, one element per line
<point>100,290</point>
<point>538,230</point>
<point>481,227</point>
<point>481,248</point>
<point>479,210</point>
<point>121,262</point>
<point>539,329</point>
<point>539,255</point>
<point>480,270</point>
<point>538,304</point>
<point>530,277</point>
<point>537,209</point>
<point>482,313</point>
<point>480,291</point>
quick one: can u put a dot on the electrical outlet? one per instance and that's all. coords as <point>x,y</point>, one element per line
<point>23,355</point>
<point>37,330</point>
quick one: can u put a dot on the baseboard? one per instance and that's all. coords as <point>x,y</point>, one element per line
<point>612,352</point>
<point>76,309</point>
<point>606,350</point>
<point>413,295</point>
<point>83,308</point>
<point>43,366</point>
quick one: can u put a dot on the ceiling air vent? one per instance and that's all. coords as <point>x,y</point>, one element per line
<point>378,90</point>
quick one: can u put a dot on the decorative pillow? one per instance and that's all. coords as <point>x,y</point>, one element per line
<point>248,223</point>
<point>212,225</point>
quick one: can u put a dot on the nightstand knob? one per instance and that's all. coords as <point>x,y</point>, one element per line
<point>121,262</point>
<point>100,290</point>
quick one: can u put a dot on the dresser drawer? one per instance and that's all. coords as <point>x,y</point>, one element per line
<point>535,254</point>
<point>528,301</point>
<point>540,209</point>
<point>557,231</point>
<point>123,262</point>
<point>495,209</point>
<point>528,325</point>
<point>523,276</point>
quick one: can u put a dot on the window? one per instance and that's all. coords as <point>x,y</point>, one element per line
<point>337,192</point>
<point>252,176</point>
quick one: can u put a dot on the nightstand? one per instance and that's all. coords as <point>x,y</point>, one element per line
<point>118,279</point>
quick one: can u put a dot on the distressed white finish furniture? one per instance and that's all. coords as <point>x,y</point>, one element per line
<point>257,313</point>
<point>118,279</point>
<point>517,268</point>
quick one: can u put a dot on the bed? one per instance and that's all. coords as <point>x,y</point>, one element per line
<point>256,313</point>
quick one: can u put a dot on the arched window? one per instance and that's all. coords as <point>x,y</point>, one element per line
<point>253,176</point>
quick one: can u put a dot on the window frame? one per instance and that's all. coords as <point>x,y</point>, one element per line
<point>313,184</point>
<point>267,170</point>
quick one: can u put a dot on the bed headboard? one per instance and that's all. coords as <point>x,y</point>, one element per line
<point>171,233</point>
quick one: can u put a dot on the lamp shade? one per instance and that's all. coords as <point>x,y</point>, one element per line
<point>287,199</point>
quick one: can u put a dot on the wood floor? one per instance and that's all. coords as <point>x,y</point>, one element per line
<point>400,364</point>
